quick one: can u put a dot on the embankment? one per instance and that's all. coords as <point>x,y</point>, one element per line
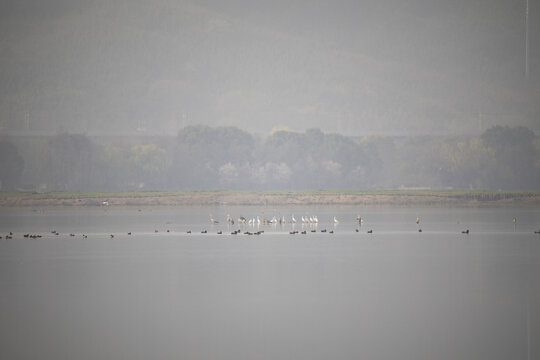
<point>346,197</point>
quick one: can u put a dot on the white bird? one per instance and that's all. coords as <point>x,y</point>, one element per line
<point>336,220</point>
<point>258,220</point>
<point>417,220</point>
<point>293,219</point>
<point>315,219</point>
<point>212,220</point>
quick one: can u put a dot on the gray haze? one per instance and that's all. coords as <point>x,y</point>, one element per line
<point>351,67</point>
<point>393,294</point>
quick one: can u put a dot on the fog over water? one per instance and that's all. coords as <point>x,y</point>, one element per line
<point>128,95</point>
<point>395,293</point>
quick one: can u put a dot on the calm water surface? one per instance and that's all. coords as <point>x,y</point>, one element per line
<point>393,294</point>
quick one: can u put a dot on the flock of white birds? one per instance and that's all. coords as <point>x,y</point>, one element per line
<point>263,220</point>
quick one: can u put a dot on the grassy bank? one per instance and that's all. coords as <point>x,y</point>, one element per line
<point>278,197</point>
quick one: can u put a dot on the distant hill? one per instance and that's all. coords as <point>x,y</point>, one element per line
<point>387,67</point>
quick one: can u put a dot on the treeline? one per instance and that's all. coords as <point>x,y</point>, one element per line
<point>203,157</point>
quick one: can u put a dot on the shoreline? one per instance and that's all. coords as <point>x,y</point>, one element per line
<point>274,198</point>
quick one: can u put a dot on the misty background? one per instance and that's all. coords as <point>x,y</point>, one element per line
<point>204,157</point>
<point>119,95</point>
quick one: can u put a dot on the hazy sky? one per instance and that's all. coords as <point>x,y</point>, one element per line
<point>353,67</point>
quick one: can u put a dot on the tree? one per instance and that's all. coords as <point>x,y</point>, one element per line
<point>70,163</point>
<point>420,163</point>
<point>379,154</point>
<point>515,156</point>
<point>115,172</point>
<point>466,163</point>
<point>501,138</point>
<point>150,165</point>
<point>11,165</point>
<point>202,151</point>
<point>318,160</point>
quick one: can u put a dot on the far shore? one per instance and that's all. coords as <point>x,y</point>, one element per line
<point>272,198</point>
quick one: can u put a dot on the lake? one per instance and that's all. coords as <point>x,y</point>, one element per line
<point>161,293</point>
